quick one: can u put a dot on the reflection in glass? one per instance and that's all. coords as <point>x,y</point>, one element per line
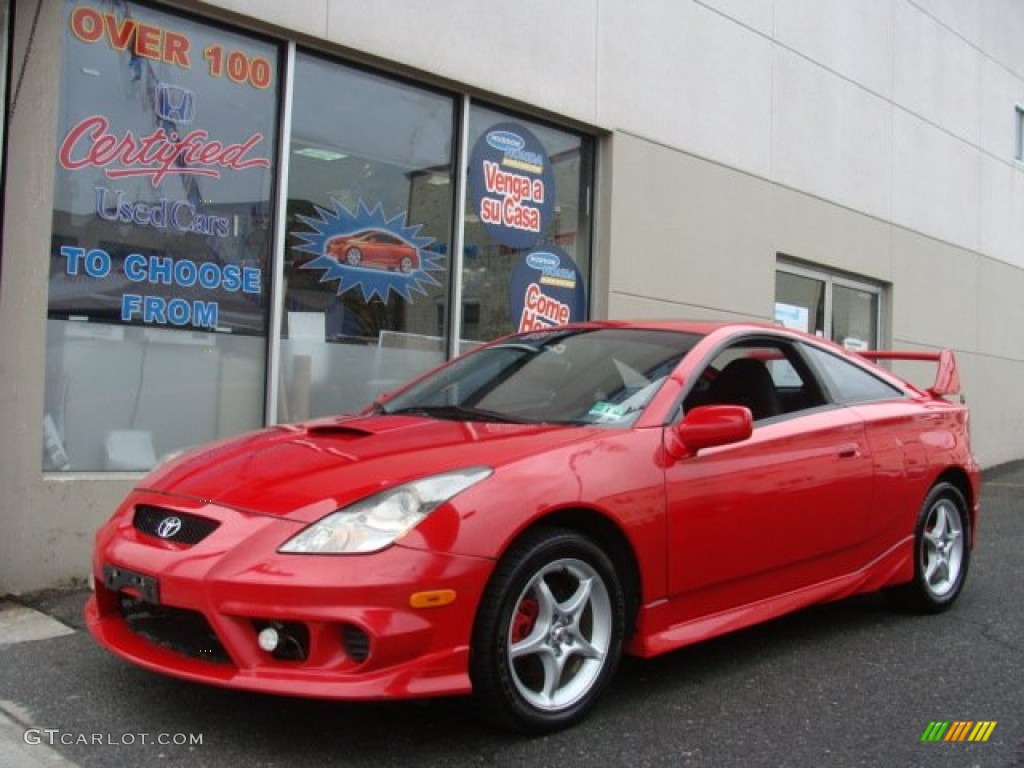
<point>854,317</point>
<point>369,227</point>
<point>806,293</point>
<point>159,264</point>
<point>487,272</point>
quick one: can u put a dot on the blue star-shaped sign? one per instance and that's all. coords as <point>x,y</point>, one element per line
<point>371,281</point>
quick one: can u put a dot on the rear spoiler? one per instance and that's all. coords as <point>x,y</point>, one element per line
<point>947,378</point>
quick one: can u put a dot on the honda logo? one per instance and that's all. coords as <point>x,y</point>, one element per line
<point>168,527</point>
<point>174,103</point>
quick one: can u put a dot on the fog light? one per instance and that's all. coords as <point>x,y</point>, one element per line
<point>269,639</point>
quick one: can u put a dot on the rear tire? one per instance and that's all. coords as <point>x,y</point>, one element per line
<point>549,632</point>
<point>942,553</point>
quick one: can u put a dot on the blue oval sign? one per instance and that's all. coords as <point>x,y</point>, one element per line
<point>512,185</point>
<point>505,140</point>
<point>546,290</point>
<point>543,261</point>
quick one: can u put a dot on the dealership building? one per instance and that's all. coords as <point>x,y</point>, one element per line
<point>219,216</point>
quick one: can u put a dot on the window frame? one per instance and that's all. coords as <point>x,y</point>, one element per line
<point>830,279</point>
<point>1018,133</point>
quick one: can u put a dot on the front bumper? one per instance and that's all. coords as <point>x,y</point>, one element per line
<point>350,623</point>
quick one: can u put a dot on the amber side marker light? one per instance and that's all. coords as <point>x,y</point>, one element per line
<point>433,599</point>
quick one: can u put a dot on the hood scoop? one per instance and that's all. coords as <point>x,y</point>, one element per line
<point>338,430</point>
<point>359,426</point>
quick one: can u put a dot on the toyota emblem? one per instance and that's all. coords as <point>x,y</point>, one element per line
<point>168,527</point>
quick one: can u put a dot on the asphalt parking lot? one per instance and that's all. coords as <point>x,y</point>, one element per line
<point>847,684</point>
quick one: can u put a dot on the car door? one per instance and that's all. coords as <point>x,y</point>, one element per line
<point>779,511</point>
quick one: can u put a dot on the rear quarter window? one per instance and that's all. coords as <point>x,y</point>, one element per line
<point>848,382</point>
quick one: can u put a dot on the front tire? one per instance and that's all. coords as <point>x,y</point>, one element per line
<point>549,632</point>
<point>942,553</point>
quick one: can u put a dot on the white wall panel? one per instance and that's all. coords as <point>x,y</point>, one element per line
<point>540,52</point>
<point>756,14</point>
<point>851,37</point>
<point>1001,312</point>
<point>624,305</point>
<point>1001,92</point>
<point>308,17</point>
<point>936,182</point>
<point>686,76</point>
<point>935,293</point>
<point>937,74</point>
<point>1002,33</point>
<point>989,384</point>
<point>830,137</point>
<point>689,232</point>
<point>964,17</point>
<point>830,235</point>
<point>1002,211</point>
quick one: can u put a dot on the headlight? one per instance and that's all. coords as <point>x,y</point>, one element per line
<point>376,522</point>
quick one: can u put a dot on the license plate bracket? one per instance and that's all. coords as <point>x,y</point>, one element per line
<point>117,579</point>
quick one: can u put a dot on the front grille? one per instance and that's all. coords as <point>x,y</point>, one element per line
<point>177,629</point>
<point>169,525</point>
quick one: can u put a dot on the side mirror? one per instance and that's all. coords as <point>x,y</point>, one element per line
<point>708,426</point>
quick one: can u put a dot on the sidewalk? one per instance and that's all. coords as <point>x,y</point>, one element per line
<point>20,624</point>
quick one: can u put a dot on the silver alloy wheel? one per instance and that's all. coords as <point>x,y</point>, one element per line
<point>559,635</point>
<point>942,547</point>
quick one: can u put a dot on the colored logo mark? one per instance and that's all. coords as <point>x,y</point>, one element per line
<point>959,730</point>
<point>174,103</point>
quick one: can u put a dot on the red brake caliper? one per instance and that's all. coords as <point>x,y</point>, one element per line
<point>525,618</point>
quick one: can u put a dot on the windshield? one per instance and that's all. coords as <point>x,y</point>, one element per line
<point>580,376</point>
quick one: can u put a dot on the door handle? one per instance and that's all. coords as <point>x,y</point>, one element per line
<point>848,451</point>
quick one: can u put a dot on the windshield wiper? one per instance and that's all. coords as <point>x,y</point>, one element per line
<point>461,413</point>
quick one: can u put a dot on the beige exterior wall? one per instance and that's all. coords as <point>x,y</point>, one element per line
<point>870,136</point>
<point>691,239</point>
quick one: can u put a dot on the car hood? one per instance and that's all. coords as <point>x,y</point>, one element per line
<point>305,470</point>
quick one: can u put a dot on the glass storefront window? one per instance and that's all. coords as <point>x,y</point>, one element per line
<point>162,263</point>
<point>161,244</point>
<point>527,226</point>
<point>370,201</point>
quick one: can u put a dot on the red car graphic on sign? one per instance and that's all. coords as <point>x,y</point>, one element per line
<point>374,249</point>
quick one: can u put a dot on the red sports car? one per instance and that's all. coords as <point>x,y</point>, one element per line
<point>375,249</point>
<point>511,523</point>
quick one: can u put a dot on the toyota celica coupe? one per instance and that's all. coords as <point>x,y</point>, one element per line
<point>512,522</point>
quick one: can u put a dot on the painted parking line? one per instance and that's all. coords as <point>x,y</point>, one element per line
<point>18,748</point>
<point>19,624</point>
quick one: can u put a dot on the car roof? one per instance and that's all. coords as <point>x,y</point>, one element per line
<point>702,328</point>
